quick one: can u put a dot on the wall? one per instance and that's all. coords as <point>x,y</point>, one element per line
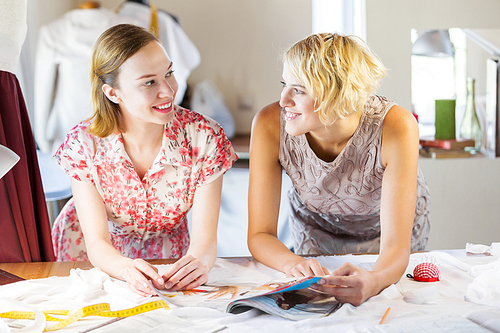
<point>464,192</point>
<point>464,201</point>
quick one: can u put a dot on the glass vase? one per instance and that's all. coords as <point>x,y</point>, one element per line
<point>470,127</point>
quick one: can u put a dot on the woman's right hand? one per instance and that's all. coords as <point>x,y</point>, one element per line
<point>137,273</point>
<point>305,267</point>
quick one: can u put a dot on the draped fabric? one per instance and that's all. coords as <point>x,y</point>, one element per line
<point>24,221</point>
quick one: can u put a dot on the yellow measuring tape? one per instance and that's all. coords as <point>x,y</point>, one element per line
<point>101,310</point>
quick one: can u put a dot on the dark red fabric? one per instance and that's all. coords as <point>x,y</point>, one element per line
<point>24,220</point>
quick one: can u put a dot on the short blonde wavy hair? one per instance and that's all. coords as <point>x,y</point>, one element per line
<point>340,72</point>
<point>111,50</point>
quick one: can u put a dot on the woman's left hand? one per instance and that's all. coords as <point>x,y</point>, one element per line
<point>349,284</point>
<point>187,273</point>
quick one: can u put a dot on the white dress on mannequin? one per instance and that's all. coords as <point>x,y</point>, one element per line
<point>62,84</point>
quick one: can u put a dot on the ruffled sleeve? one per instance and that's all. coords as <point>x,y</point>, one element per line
<point>211,152</point>
<point>220,156</point>
<point>76,153</point>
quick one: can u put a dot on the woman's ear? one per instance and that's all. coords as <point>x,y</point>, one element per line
<point>111,93</point>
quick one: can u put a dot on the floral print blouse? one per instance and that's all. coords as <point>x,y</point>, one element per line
<point>146,217</point>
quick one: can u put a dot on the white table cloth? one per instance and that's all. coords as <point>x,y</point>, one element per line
<point>466,293</point>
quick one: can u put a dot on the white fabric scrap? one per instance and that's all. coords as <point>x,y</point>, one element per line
<point>485,288</point>
<point>477,248</point>
<point>493,249</point>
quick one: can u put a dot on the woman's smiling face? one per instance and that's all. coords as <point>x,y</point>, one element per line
<point>146,86</point>
<point>299,105</point>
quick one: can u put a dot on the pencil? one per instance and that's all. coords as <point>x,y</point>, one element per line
<point>385,315</point>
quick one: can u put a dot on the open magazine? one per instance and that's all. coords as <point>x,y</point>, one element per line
<point>290,298</point>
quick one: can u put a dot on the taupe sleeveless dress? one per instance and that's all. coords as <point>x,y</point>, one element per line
<point>335,206</point>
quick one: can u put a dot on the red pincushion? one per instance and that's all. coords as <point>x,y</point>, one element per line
<point>426,272</point>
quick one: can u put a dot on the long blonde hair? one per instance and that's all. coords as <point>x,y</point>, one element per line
<point>340,72</point>
<point>111,50</point>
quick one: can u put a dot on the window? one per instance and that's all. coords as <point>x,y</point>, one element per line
<point>438,78</point>
<point>342,16</point>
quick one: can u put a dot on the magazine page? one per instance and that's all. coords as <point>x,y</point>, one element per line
<point>290,298</point>
<point>281,285</point>
<point>211,296</point>
<point>218,296</point>
<point>294,305</point>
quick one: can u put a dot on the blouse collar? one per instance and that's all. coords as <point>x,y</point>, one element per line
<point>110,150</point>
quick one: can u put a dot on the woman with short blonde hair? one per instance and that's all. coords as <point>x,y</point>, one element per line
<point>352,157</point>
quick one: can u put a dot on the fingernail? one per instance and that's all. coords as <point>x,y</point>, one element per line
<point>168,285</point>
<point>321,281</point>
<point>314,286</point>
<point>160,281</point>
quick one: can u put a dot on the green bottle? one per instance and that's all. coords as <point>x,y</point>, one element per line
<point>470,127</point>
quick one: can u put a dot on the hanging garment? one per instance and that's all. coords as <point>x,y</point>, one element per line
<point>62,85</point>
<point>24,220</point>
<point>176,42</point>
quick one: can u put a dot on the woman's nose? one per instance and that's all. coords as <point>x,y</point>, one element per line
<point>285,99</point>
<point>166,89</point>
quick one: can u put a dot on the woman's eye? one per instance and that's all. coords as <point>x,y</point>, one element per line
<point>169,73</point>
<point>298,92</point>
<point>149,83</point>
<point>283,84</point>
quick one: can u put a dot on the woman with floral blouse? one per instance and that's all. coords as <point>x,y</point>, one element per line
<point>137,167</point>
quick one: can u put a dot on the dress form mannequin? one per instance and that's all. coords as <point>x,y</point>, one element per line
<point>61,78</point>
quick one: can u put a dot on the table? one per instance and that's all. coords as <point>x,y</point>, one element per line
<point>40,270</point>
<point>416,306</point>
